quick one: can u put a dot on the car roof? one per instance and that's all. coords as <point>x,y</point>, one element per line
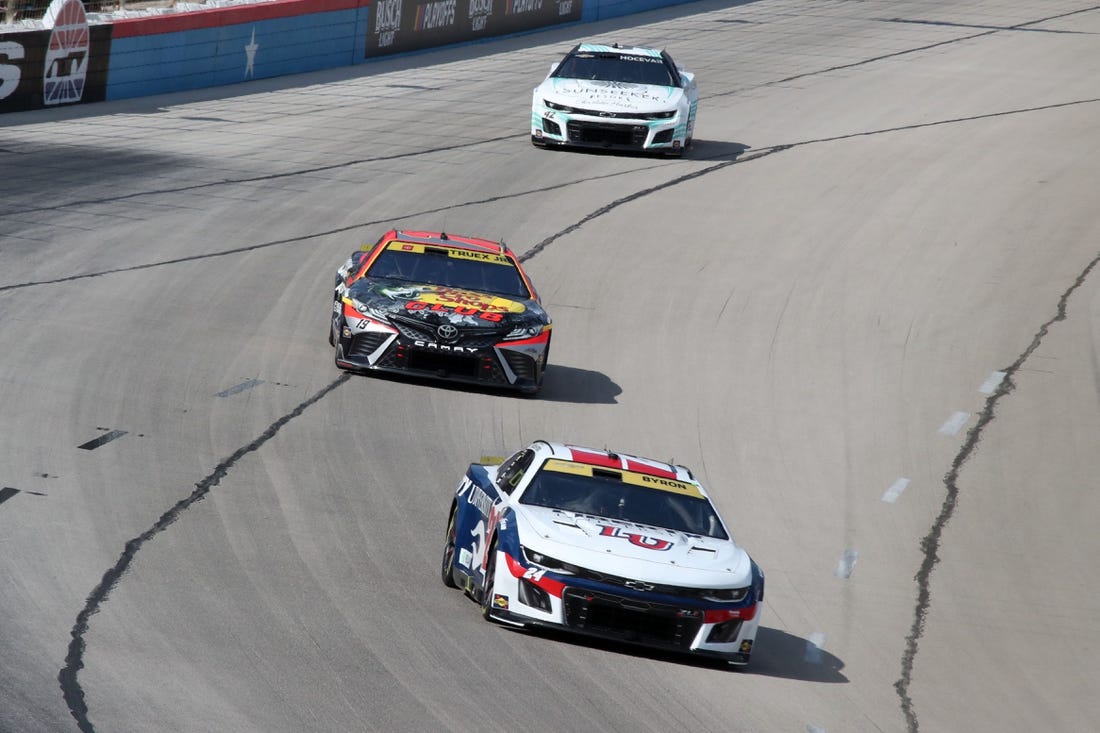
<point>443,239</point>
<point>604,458</point>
<point>629,50</point>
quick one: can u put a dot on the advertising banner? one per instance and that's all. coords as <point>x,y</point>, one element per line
<point>64,64</point>
<point>408,25</point>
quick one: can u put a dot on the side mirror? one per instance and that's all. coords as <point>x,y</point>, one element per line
<point>355,259</point>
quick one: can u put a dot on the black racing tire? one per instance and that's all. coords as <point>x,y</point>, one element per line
<point>447,566</point>
<point>490,582</point>
<point>331,330</point>
<point>545,359</point>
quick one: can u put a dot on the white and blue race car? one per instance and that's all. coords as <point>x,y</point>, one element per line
<point>603,544</point>
<point>618,98</point>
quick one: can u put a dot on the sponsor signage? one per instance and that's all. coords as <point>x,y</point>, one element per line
<point>64,64</point>
<point>396,26</point>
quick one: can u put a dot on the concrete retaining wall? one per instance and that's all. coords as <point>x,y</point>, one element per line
<point>70,62</point>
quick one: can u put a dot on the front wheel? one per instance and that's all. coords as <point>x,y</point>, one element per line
<point>490,582</point>
<point>545,359</point>
<point>447,569</point>
<point>332,322</point>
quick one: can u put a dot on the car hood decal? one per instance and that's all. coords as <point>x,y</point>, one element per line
<point>642,552</point>
<point>441,304</point>
<point>611,96</point>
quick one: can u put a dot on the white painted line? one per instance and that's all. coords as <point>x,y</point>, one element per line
<point>895,490</point>
<point>954,423</point>
<point>990,385</point>
<point>814,643</point>
<point>845,564</point>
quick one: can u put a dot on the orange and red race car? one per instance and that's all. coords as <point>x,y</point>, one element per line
<point>443,306</point>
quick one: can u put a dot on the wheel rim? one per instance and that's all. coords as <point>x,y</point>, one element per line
<point>447,569</point>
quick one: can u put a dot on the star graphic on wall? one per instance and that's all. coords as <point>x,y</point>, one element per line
<point>250,52</point>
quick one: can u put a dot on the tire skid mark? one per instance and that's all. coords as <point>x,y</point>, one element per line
<point>949,24</point>
<point>949,121</point>
<point>258,179</point>
<point>930,544</point>
<point>741,158</point>
<point>534,251</point>
<point>763,152</point>
<point>317,235</point>
<point>74,659</point>
<point>895,54</point>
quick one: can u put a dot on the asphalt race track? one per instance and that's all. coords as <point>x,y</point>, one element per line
<point>865,309</point>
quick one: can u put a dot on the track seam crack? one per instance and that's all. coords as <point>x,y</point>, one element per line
<point>265,177</point>
<point>930,543</point>
<point>318,235</point>
<point>74,660</point>
<point>544,189</point>
<point>907,51</point>
<point>607,208</point>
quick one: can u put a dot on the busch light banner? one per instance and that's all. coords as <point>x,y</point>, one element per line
<point>408,25</point>
<point>64,64</point>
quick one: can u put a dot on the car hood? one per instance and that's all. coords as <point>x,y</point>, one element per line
<point>438,304</point>
<point>639,552</point>
<point>610,96</point>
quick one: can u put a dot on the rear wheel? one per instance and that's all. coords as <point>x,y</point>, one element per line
<point>490,583</point>
<point>447,569</point>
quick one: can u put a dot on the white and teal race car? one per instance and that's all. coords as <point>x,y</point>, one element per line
<point>617,98</point>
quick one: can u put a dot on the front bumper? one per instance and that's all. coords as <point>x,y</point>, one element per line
<point>531,596</point>
<point>376,346</point>
<point>553,127</point>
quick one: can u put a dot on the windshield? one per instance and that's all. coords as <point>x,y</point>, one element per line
<point>458,269</point>
<point>627,68</point>
<point>623,495</point>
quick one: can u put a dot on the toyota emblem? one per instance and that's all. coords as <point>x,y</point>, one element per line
<point>447,332</point>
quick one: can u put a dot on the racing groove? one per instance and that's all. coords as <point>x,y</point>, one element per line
<point>880,211</point>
